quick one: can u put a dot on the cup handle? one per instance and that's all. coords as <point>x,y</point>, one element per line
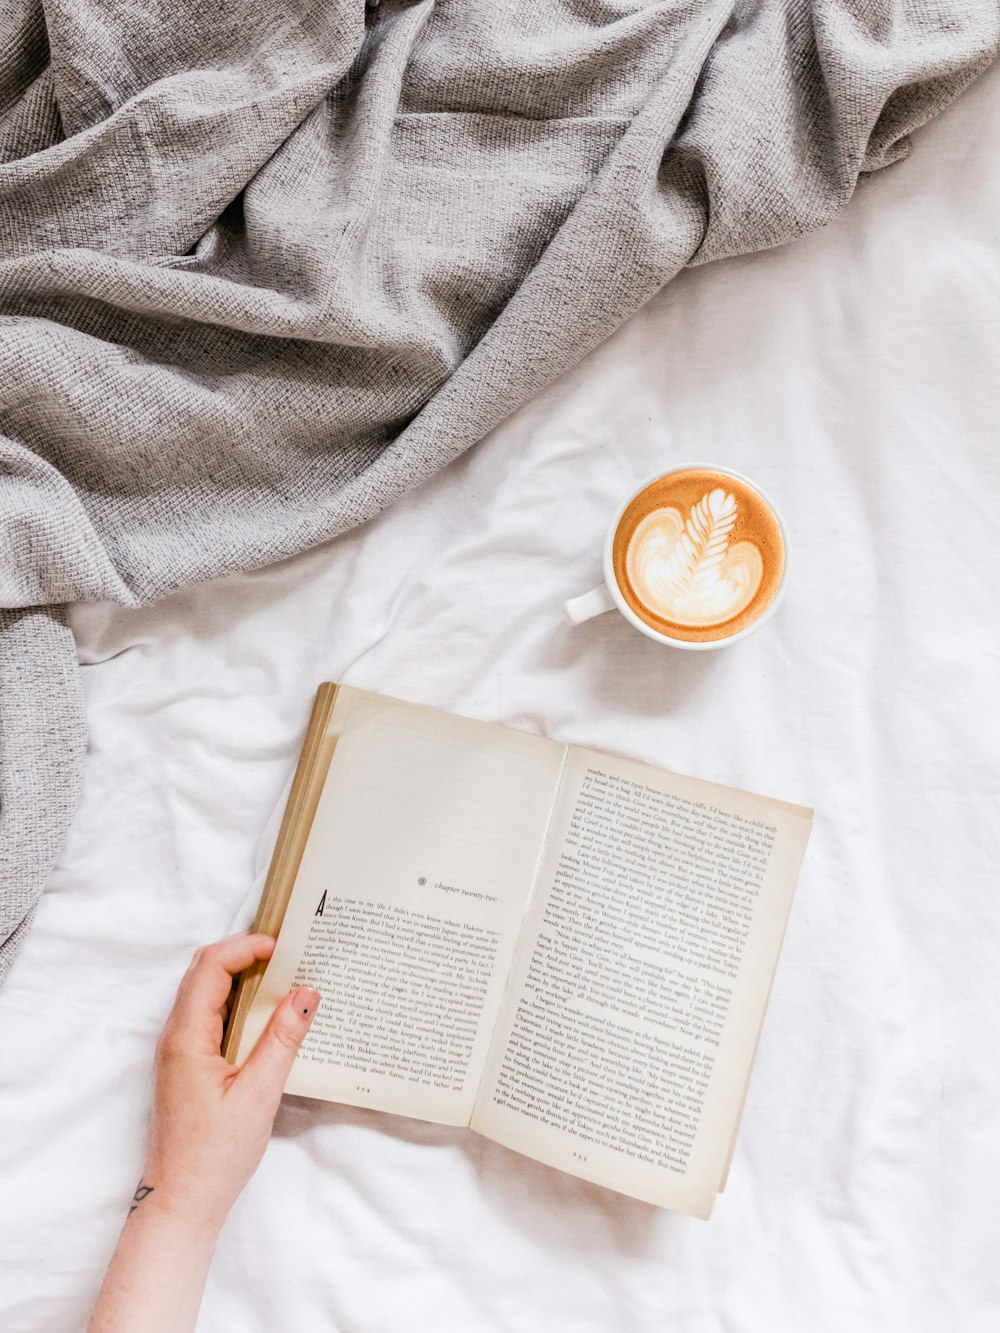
<point>579,609</point>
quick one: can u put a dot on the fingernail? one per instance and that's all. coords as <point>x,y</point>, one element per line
<point>305,1001</point>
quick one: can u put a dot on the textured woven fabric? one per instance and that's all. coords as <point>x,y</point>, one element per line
<point>263,266</point>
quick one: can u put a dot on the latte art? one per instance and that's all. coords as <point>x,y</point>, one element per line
<point>698,555</point>
<point>689,571</point>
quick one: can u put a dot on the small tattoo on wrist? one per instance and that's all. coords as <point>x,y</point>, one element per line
<point>142,1191</point>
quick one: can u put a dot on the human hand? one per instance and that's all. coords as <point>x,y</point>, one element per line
<point>208,1131</point>
<point>210,1121</point>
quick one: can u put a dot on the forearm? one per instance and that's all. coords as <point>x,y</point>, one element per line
<point>157,1274</point>
<point>208,1130</point>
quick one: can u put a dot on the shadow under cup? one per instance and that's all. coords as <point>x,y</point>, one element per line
<point>697,557</point>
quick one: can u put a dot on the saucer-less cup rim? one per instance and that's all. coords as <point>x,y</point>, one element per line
<point>610,596</point>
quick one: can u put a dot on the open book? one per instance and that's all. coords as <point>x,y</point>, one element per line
<point>567,951</point>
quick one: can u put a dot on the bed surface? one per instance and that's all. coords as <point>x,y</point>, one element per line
<point>856,376</point>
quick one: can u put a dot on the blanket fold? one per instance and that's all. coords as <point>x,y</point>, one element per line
<point>262,271</point>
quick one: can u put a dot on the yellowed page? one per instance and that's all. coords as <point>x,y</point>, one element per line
<point>623,1048</point>
<point>727,1167</point>
<point>408,902</point>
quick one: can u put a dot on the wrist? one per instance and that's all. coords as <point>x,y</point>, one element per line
<point>182,1205</point>
<point>157,1272</point>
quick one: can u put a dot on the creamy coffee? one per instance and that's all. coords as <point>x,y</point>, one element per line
<point>698,555</point>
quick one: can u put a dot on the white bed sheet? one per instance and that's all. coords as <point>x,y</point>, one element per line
<point>856,375</point>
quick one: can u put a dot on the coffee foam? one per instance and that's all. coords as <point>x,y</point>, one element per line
<point>698,555</point>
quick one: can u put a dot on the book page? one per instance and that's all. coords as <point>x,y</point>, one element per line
<point>637,992</point>
<point>407,904</point>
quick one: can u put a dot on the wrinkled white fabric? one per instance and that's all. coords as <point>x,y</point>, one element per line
<point>265,268</point>
<point>853,375</point>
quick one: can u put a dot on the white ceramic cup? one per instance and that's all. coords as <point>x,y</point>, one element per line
<point>608,597</point>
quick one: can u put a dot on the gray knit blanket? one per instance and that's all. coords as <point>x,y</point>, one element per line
<point>264,266</point>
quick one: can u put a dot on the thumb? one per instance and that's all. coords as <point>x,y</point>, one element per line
<point>268,1065</point>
